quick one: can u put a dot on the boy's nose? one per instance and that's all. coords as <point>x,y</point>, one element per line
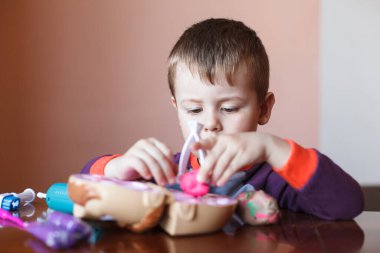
<point>212,124</point>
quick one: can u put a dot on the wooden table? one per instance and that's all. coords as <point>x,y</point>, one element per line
<point>294,233</point>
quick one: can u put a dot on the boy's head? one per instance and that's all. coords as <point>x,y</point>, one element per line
<point>218,47</point>
<point>219,76</point>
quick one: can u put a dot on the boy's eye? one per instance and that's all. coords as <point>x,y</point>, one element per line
<point>230,109</point>
<point>194,111</point>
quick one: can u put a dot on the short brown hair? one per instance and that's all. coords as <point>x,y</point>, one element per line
<point>215,45</point>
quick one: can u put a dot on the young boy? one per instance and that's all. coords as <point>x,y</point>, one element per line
<point>219,76</point>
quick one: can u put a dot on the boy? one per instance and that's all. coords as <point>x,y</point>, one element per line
<point>219,76</point>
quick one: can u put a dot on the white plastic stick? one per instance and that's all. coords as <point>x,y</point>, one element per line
<point>195,129</point>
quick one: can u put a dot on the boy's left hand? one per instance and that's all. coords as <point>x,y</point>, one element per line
<point>229,153</point>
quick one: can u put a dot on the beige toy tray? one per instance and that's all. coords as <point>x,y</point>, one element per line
<point>188,215</point>
<point>134,205</point>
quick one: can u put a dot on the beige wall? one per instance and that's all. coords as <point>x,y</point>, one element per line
<point>83,78</point>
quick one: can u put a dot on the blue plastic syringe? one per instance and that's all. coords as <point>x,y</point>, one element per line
<point>57,198</point>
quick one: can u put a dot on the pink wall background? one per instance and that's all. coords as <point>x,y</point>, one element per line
<point>84,78</point>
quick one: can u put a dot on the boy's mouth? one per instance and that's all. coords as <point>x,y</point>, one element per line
<point>206,135</point>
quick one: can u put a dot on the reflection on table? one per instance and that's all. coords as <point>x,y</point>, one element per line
<point>294,232</point>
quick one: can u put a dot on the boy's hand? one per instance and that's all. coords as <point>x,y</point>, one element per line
<point>229,153</point>
<point>147,158</point>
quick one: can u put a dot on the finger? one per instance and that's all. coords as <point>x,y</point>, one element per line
<point>163,155</point>
<point>136,164</point>
<point>212,160</point>
<point>206,169</point>
<point>152,165</point>
<point>157,163</point>
<point>161,146</point>
<point>221,165</point>
<point>233,167</point>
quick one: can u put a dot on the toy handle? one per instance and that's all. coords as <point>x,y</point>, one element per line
<point>12,221</point>
<point>27,195</point>
<point>195,129</point>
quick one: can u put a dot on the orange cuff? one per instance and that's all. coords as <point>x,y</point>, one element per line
<point>195,164</point>
<point>300,166</point>
<point>98,167</point>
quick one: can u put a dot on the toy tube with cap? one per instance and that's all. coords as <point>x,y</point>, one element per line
<point>57,198</point>
<point>12,201</point>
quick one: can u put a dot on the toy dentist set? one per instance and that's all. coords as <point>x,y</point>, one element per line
<point>12,201</point>
<point>137,206</point>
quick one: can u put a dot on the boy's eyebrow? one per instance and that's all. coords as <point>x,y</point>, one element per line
<point>191,100</point>
<point>231,98</point>
<point>223,99</point>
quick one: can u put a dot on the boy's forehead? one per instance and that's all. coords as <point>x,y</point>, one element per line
<point>187,74</point>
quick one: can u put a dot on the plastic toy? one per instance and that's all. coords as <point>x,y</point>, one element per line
<point>188,182</point>
<point>57,231</point>
<point>12,201</point>
<point>190,185</point>
<point>257,207</point>
<point>189,215</point>
<point>195,213</point>
<point>139,206</point>
<point>134,205</point>
<point>57,198</point>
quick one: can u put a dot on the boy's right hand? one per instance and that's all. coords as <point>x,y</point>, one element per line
<point>147,158</point>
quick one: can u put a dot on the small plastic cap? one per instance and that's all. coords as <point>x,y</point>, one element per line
<point>27,196</point>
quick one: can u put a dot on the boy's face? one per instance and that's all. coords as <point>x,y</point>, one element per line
<point>220,108</point>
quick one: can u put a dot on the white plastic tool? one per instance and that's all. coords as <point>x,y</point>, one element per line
<point>195,129</point>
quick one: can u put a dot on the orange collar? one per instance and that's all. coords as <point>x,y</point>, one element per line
<point>194,163</point>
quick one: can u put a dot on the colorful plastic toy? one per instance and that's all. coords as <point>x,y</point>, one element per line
<point>57,198</point>
<point>188,215</point>
<point>134,205</point>
<point>12,201</point>
<point>257,207</point>
<point>190,185</point>
<point>57,231</point>
<point>187,181</point>
<point>139,206</point>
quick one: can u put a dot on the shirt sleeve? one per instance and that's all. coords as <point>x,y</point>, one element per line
<point>312,183</point>
<point>300,166</point>
<point>96,165</point>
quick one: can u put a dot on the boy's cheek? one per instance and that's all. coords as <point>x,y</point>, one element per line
<point>183,121</point>
<point>184,128</point>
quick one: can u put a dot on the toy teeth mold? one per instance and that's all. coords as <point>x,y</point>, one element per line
<point>194,212</point>
<point>189,215</point>
<point>139,206</point>
<point>134,205</point>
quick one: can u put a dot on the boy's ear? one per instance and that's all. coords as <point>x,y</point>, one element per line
<point>266,108</point>
<point>174,102</point>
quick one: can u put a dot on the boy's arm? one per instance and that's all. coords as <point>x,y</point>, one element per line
<point>316,185</point>
<point>96,165</point>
